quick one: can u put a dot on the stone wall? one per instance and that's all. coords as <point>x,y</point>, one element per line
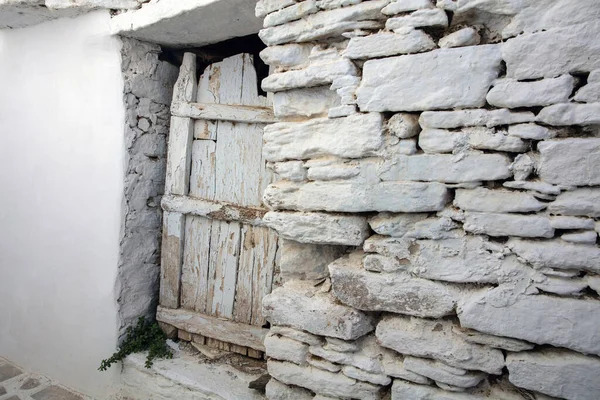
<point>148,91</point>
<point>438,190</point>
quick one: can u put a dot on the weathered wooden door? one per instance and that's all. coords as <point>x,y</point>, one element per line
<point>218,259</point>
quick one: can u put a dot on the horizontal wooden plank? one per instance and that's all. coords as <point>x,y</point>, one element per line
<point>223,112</point>
<point>214,210</point>
<point>212,327</point>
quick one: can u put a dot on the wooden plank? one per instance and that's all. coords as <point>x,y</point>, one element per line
<point>181,132</point>
<point>232,332</point>
<point>223,112</point>
<point>224,254</point>
<point>214,210</point>
<point>202,179</point>
<point>194,274</point>
<point>242,309</point>
<point>208,92</point>
<point>263,270</point>
<point>171,259</point>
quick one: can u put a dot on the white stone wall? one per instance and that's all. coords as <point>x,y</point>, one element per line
<point>453,147</point>
<point>147,95</point>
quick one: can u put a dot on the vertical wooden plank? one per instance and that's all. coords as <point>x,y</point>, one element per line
<point>182,129</point>
<point>194,275</point>
<point>171,259</point>
<point>263,270</point>
<point>208,92</point>
<point>224,256</point>
<point>242,309</point>
<point>202,178</point>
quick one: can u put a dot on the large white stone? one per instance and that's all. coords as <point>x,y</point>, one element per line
<point>316,74</point>
<point>276,390</point>
<point>324,24</point>
<point>478,117</point>
<point>557,254</point>
<point>386,44</point>
<point>351,137</point>
<point>590,93</point>
<point>422,18</point>
<point>435,339</point>
<point>394,84</point>
<point>570,114</point>
<point>530,131</point>
<point>286,349</point>
<point>464,37</point>
<point>308,102</point>
<point>439,372</point>
<point>322,382</point>
<point>553,52</point>
<point>511,93</point>
<point>557,321</point>
<point>357,197</point>
<point>319,228</point>
<point>496,201</point>
<point>570,162</point>
<point>306,261</point>
<point>478,137</point>
<point>447,168</point>
<point>300,305</point>
<point>560,222</point>
<point>557,373</point>
<point>287,56</point>
<point>577,202</point>
<point>289,170</point>
<point>395,224</point>
<point>397,292</point>
<point>508,225</point>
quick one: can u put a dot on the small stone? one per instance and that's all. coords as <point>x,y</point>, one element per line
<point>308,102</point>
<point>589,237</point>
<point>511,93</point>
<point>402,6</point>
<point>570,114</point>
<point>305,261</point>
<point>393,365</point>
<point>436,370</point>
<point>55,393</point>
<point>556,372</point>
<point>319,228</point>
<point>419,19</point>
<point>435,339</point>
<point>323,364</point>
<point>522,167</point>
<point>376,379</point>
<point>397,293</point>
<point>264,7</point>
<point>297,335</point>
<point>291,13</point>
<point>290,170</point>
<point>570,162</point>
<point>558,255</point>
<point>341,345</point>
<point>393,84</point>
<point>448,5</point>
<point>496,342</point>
<point>590,93</point>
<point>540,187</point>
<point>530,131</point>
<point>572,323</point>
<point>276,390</point>
<point>396,225</point>
<point>287,56</point>
<point>343,110</point>
<point>322,382</point>
<point>286,349</point>
<point>577,202</point>
<point>508,225</point>
<point>331,4</point>
<point>445,141</point>
<point>316,74</point>
<point>447,168</point>
<point>298,305</point>
<point>571,223</point>
<point>387,44</point>
<point>562,287</point>
<point>404,125</point>
<point>478,117</point>
<point>463,37</point>
<point>496,201</point>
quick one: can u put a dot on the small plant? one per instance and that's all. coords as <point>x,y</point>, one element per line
<point>146,335</point>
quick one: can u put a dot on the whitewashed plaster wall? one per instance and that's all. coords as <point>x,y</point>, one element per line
<point>61,174</point>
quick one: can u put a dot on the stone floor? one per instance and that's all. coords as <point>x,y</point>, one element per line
<point>17,384</point>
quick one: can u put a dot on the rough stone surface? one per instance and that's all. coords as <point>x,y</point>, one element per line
<point>298,304</point>
<point>387,44</point>
<point>508,225</point>
<point>404,125</point>
<point>299,336</point>
<point>530,131</point>
<point>496,201</point>
<point>359,374</point>
<point>496,342</point>
<point>317,74</point>
<point>285,349</point>
<point>561,374</point>
<point>435,339</point>
<point>276,390</point>
<point>393,85</point>
<point>351,137</point>
<point>291,13</point>
<point>572,162</point>
<point>319,228</point>
<point>306,261</point>
<point>289,170</point>
<point>398,293</point>
<point>419,19</point>
<point>402,6</point>
<point>570,114</point>
<point>309,102</point>
<point>552,254</point>
<point>511,93</point>
<point>478,117</point>
<point>571,324</point>
<point>481,138</point>
<point>464,37</point>
<point>439,372</point>
<point>577,202</point>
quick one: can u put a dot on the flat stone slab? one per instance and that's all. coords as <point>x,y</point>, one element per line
<point>56,393</point>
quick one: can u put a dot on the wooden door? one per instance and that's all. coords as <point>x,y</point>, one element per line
<point>218,258</point>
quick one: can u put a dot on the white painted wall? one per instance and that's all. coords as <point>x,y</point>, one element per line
<point>61,180</point>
